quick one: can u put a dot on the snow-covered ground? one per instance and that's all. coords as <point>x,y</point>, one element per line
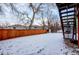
<point>43,44</point>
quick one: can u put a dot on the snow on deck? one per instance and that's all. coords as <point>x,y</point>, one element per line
<point>43,44</point>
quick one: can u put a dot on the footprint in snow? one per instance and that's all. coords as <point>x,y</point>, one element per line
<point>66,53</point>
<point>40,50</point>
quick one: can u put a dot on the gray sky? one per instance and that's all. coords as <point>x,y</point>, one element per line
<point>9,17</point>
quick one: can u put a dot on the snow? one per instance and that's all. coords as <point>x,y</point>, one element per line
<point>43,44</point>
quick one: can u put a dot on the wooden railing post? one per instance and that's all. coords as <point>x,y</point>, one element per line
<point>78,23</point>
<point>78,30</point>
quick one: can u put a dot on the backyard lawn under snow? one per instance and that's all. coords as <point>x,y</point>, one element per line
<point>43,44</point>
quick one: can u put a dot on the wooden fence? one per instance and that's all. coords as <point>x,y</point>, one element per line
<point>12,33</point>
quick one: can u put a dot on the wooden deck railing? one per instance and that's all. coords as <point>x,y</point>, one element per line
<point>12,33</point>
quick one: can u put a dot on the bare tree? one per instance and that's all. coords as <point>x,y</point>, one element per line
<point>49,18</point>
<point>18,14</point>
<point>2,11</point>
<point>43,22</point>
<point>34,10</point>
<point>52,18</point>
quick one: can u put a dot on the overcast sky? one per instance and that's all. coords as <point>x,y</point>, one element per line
<point>8,17</point>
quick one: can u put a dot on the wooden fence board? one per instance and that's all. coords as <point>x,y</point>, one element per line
<point>12,33</point>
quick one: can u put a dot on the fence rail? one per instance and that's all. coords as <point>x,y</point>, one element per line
<point>12,33</point>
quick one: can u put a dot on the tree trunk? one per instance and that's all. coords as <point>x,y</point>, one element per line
<point>32,21</point>
<point>49,26</point>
